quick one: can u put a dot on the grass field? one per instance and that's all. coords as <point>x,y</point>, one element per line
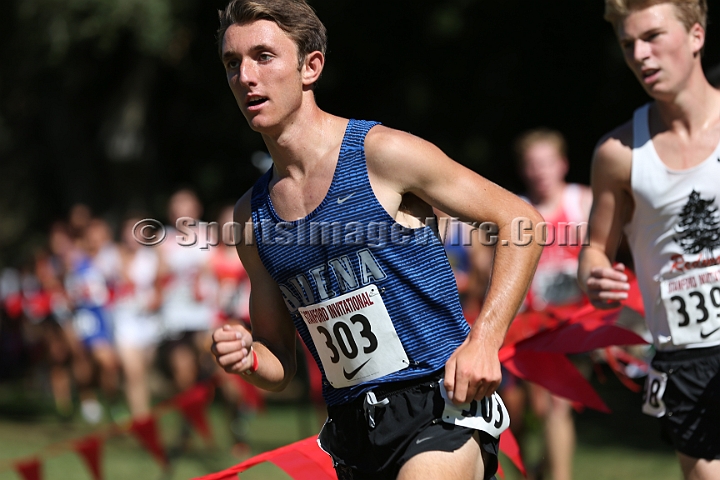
<point>623,445</point>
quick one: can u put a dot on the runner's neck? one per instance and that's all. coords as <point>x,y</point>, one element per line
<point>693,110</point>
<point>305,142</point>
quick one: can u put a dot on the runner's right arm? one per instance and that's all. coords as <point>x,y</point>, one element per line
<point>273,332</point>
<point>606,285</point>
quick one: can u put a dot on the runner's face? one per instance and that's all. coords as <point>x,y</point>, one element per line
<point>658,49</point>
<point>543,168</point>
<point>127,236</point>
<point>261,63</point>
<point>184,204</point>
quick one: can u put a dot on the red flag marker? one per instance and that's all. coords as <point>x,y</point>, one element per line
<point>145,430</point>
<point>29,469</point>
<point>193,403</point>
<point>510,447</point>
<point>303,460</point>
<point>89,450</point>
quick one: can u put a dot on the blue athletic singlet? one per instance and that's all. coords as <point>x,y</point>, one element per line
<point>347,267</point>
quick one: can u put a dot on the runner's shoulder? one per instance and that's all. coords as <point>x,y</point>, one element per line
<point>384,144</point>
<point>242,215</point>
<point>403,160</point>
<point>243,208</point>
<point>613,155</point>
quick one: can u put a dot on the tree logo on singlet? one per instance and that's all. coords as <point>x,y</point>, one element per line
<point>699,227</point>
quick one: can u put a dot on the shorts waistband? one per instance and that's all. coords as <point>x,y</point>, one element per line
<point>388,389</point>
<point>687,354</point>
<point>391,388</point>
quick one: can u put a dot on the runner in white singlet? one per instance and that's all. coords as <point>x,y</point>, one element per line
<point>656,179</point>
<point>136,317</point>
<point>188,293</point>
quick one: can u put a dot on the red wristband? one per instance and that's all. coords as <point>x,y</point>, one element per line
<point>255,363</point>
<point>254,367</point>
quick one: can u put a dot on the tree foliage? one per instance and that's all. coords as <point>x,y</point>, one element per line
<point>117,102</point>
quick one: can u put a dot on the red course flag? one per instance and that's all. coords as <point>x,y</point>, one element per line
<point>557,374</point>
<point>145,430</point>
<point>510,447</point>
<point>541,359</point>
<point>89,449</point>
<point>303,460</point>
<point>29,469</point>
<point>306,462</point>
<point>193,403</point>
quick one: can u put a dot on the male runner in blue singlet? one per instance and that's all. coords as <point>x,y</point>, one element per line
<point>336,246</point>
<point>655,178</point>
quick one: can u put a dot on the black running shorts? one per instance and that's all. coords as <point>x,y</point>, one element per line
<point>374,440</point>
<point>692,399</point>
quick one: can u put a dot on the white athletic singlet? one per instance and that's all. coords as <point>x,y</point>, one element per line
<point>189,292</point>
<point>135,325</point>
<point>674,236</point>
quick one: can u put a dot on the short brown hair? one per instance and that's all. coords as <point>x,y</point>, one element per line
<point>539,135</point>
<point>689,12</point>
<point>294,17</point>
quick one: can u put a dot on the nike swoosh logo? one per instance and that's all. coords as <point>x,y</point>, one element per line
<point>351,375</point>
<point>704,336</point>
<point>420,440</point>
<point>343,200</point>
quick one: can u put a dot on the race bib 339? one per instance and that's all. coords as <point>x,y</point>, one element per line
<point>692,303</point>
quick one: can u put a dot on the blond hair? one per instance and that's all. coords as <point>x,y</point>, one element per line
<point>539,135</point>
<point>689,12</point>
<point>295,17</point>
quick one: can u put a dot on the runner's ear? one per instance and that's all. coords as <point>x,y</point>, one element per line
<point>312,67</point>
<point>697,38</point>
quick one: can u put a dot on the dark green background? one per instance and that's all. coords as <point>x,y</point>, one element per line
<point>468,75</point>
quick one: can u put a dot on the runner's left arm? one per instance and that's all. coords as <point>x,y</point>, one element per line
<point>402,163</point>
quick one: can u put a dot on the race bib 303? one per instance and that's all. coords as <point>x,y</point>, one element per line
<point>355,337</point>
